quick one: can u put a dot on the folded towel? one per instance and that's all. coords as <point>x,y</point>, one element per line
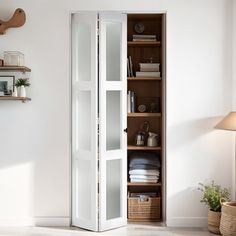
<point>143,167</point>
<point>146,158</point>
<point>144,172</point>
<point>144,177</point>
<point>143,180</point>
<point>147,194</point>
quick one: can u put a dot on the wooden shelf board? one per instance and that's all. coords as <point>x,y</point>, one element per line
<point>144,114</point>
<point>150,16</point>
<point>143,184</point>
<point>144,43</point>
<point>15,68</point>
<point>144,78</point>
<point>10,98</point>
<point>133,147</point>
<point>144,220</point>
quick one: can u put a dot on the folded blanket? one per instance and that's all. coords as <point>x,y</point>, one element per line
<point>143,167</point>
<point>143,180</point>
<point>144,177</point>
<point>144,172</point>
<point>146,158</point>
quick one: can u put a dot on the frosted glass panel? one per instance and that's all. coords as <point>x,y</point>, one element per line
<point>84,51</point>
<point>83,191</point>
<point>113,120</point>
<point>113,188</point>
<point>113,44</point>
<point>83,117</point>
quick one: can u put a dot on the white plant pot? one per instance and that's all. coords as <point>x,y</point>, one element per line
<point>22,91</point>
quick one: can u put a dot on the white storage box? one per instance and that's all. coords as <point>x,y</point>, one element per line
<point>13,58</point>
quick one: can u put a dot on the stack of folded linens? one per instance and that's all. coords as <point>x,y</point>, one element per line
<point>144,167</point>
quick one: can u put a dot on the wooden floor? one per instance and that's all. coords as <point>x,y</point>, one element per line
<point>130,230</point>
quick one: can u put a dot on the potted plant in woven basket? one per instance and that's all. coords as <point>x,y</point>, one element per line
<point>228,219</point>
<point>213,196</point>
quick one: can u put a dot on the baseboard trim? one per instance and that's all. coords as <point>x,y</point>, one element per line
<point>199,222</point>
<point>53,221</point>
<point>36,221</point>
<point>15,222</point>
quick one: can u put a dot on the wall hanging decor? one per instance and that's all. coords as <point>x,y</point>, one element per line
<point>18,19</point>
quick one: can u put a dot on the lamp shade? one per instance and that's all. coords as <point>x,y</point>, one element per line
<point>228,123</point>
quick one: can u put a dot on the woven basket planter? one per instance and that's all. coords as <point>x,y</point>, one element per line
<point>228,219</point>
<point>214,222</point>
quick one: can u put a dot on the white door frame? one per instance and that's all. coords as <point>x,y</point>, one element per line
<point>164,119</point>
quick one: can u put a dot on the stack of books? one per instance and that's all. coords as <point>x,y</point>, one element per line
<point>144,38</point>
<point>149,70</point>
<point>131,101</point>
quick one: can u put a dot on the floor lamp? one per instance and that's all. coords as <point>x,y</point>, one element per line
<point>229,123</point>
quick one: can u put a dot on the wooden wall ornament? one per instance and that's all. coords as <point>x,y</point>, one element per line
<point>18,19</point>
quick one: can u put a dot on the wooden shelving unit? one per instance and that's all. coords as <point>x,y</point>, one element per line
<point>144,78</point>
<point>144,114</point>
<point>10,98</point>
<point>148,91</point>
<point>143,148</point>
<point>22,69</point>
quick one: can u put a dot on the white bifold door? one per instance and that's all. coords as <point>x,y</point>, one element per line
<point>99,140</point>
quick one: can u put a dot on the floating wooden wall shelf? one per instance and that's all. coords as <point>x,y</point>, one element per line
<point>10,98</point>
<point>22,69</point>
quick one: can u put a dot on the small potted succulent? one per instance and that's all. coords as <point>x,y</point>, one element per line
<point>213,196</point>
<point>21,84</point>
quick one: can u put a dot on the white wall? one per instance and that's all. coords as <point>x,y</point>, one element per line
<point>234,56</point>
<point>34,137</point>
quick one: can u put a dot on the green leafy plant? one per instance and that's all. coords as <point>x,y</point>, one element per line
<point>214,195</point>
<point>22,82</point>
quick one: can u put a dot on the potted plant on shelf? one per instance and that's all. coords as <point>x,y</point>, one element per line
<point>21,84</point>
<point>213,196</point>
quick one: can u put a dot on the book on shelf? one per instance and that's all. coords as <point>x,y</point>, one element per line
<point>131,67</point>
<point>144,38</point>
<point>131,101</point>
<point>148,74</point>
<point>128,69</point>
<point>149,67</point>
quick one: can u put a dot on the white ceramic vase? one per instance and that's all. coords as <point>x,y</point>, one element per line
<point>22,91</point>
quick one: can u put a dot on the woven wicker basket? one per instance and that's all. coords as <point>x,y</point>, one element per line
<point>228,219</point>
<point>144,209</point>
<point>214,222</point>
